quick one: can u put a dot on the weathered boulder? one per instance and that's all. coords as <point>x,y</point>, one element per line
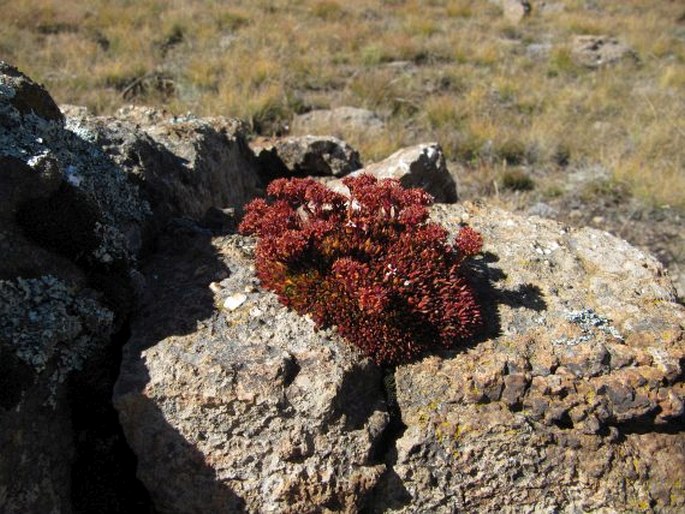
<point>185,165</point>
<point>25,96</point>
<point>79,200</point>
<point>70,227</point>
<point>597,51</point>
<point>571,400</point>
<point>421,166</point>
<point>339,121</point>
<point>243,407</point>
<point>576,402</point>
<point>303,156</point>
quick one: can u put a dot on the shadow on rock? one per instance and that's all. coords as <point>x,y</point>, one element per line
<point>201,491</point>
<point>177,283</point>
<point>177,300</point>
<point>485,276</point>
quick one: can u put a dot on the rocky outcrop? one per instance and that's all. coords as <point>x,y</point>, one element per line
<point>599,51</point>
<point>571,400</point>
<point>252,410</point>
<point>304,156</point>
<point>420,166</point>
<point>80,199</point>
<point>70,227</point>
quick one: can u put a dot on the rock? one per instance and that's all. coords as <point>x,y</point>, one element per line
<point>251,410</point>
<point>515,10</point>
<point>71,226</point>
<point>597,51</point>
<point>79,201</point>
<point>305,156</point>
<point>338,121</point>
<point>575,402</point>
<point>417,166</point>
<point>572,399</point>
<point>25,96</point>
<point>48,330</point>
<point>186,165</point>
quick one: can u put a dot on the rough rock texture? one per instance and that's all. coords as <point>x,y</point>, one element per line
<point>25,96</point>
<point>417,166</point>
<point>185,165</point>
<point>575,402</point>
<point>598,51</point>
<point>76,210</point>
<point>305,156</point>
<point>70,226</point>
<point>48,329</point>
<point>338,121</point>
<point>572,399</point>
<point>232,403</point>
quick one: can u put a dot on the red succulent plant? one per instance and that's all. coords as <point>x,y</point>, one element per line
<point>371,264</point>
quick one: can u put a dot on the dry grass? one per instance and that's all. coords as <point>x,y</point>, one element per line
<point>490,92</point>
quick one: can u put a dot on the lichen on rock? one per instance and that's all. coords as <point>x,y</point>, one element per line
<point>47,323</point>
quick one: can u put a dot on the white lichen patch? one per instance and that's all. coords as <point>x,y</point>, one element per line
<point>589,322</point>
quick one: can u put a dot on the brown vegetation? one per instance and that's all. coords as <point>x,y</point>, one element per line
<point>491,92</point>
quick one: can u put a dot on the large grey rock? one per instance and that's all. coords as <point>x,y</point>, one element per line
<point>420,166</point>
<point>70,227</point>
<point>302,156</point>
<point>79,201</point>
<point>575,402</point>
<point>251,410</point>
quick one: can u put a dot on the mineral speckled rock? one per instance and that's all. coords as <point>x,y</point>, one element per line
<point>244,409</point>
<point>577,401</point>
<point>48,330</point>
<point>77,204</point>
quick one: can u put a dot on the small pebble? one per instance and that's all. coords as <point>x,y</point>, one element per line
<point>234,301</point>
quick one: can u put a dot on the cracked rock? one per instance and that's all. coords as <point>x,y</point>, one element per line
<point>587,415</point>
